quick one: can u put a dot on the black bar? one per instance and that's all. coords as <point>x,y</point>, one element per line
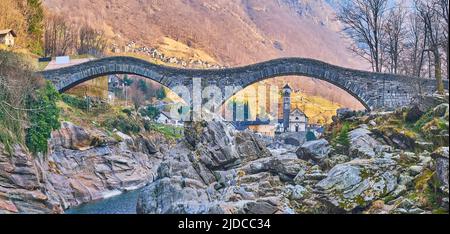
<point>128,224</point>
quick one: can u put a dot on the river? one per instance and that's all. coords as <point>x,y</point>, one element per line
<point>124,203</point>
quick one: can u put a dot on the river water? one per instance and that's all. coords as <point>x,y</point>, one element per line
<point>124,203</point>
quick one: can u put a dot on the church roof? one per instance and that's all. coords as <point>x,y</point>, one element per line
<point>298,110</point>
<point>287,87</point>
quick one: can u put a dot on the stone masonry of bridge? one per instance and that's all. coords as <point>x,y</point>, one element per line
<point>375,91</point>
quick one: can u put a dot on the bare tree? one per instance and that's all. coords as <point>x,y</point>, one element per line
<point>415,44</point>
<point>442,11</point>
<point>91,41</point>
<point>394,42</point>
<point>430,18</point>
<point>363,20</point>
<point>60,36</point>
<point>137,96</point>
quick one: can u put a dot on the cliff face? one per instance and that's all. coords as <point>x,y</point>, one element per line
<point>83,165</point>
<point>22,185</point>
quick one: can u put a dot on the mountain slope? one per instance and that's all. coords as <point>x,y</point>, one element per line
<point>230,32</point>
<point>235,32</point>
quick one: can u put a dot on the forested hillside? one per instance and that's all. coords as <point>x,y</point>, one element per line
<point>26,18</point>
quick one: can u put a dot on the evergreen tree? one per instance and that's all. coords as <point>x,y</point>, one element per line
<point>246,111</point>
<point>35,20</point>
<point>127,81</point>
<point>343,139</point>
<point>152,112</point>
<point>310,136</point>
<point>161,93</point>
<point>143,86</point>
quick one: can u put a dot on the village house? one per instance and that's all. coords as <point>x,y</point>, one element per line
<point>165,118</point>
<point>7,37</point>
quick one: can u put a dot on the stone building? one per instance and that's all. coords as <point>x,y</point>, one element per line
<point>298,121</point>
<point>7,37</point>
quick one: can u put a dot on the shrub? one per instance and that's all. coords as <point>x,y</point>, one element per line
<point>151,111</point>
<point>123,124</point>
<point>127,112</point>
<point>75,102</point>
<point>86,104</point>
<point>7,139</point>
<point>43,119</point>
<point>18,85</point>
<point>169,132</point>
<point>161,93</point>
<point>426,118</point>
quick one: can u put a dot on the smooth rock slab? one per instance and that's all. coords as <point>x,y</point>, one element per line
<point>362,145</point>
<point>358,183</point>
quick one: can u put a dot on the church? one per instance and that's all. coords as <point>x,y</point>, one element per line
<point>293,120</point>
<point>298,121</point>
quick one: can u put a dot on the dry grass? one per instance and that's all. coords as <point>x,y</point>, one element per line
<point>318,109</point>
<point>95,88</point>
<point>87,119</point>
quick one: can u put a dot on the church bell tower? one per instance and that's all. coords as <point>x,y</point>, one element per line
<point>287,91</point>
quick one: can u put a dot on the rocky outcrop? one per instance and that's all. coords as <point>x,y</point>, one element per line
<point>82,165</point>
<point>441,158</point>
<point>100,165</point>
<point>399,138</point>
<point>358,183</point>
<point>363,145</point>
<point>427,102</point>
<point>314,150</point>
<point>295,139</point>
<point>216,169</point>
<point>73,137</point>
<point>22,186</point>
<point>205,175</point>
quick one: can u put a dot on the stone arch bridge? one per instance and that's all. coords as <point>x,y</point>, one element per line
<point>373,90</point>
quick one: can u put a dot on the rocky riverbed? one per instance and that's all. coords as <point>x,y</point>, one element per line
<point>388,168</point>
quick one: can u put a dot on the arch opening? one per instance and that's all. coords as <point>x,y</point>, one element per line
<point>114,86</point>
<point>315,95</point>
<point>262,106</point>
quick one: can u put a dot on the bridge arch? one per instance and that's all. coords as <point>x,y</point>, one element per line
<point>297,75</point>
<point>373,90</point>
